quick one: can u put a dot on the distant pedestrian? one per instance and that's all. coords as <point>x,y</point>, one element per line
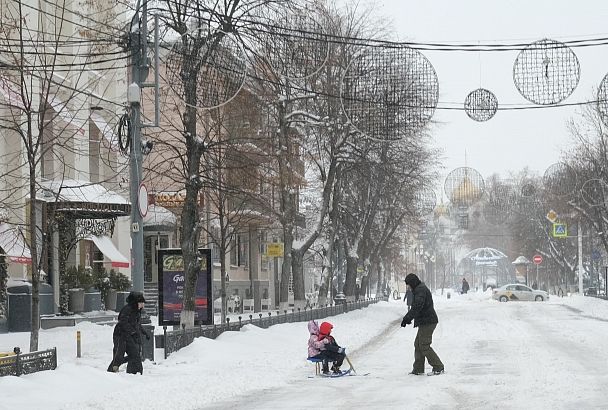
<point>425,319</point>
<point>409,297</point>
<point>465,286</point>
<point>127,336</point>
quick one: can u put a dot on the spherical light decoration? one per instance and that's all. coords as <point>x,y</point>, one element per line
<point>206,70</point>
<point>296,46</point>
<point>388,93</point>
<point>559,179</point>
<point>546,72</point>
<point>480,105</point>
<point>594,192</point>
<point>425,201</point>
<point>602,100</point>
<point>464,186</point>
<point>527,189</point>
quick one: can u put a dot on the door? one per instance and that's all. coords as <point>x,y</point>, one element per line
<point>524,292</point>
<point>151,245</point>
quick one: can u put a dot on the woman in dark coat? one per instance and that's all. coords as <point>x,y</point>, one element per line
<point>127,335</point>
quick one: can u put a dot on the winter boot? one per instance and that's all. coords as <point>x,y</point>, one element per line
<point>415,373</point>
<point>325,368</point>
<point>335,369</point>
<point>435,372</point>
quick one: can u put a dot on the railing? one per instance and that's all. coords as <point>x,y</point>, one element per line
<point>177,339</point>
<point>26,363</point>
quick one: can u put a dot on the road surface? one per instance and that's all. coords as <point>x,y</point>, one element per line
<point>536,355</point>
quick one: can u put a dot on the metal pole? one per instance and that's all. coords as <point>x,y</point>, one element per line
<point>580,258</point>
<point>139,74</point>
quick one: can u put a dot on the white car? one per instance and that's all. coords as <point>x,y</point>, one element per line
<point>517,291</point>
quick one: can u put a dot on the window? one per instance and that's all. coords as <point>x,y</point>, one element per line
<point>243,244</point>
<point>233,252</point>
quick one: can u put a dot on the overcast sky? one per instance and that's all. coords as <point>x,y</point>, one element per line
<point>512,139</point>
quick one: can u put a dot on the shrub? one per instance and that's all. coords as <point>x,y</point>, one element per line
<point>119,281</point>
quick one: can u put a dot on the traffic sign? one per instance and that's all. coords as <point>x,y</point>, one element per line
<point>537,259</point>
<point>274,249</point>
<point>560,230</point>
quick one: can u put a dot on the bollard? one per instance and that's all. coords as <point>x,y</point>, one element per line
<point>78,351</point>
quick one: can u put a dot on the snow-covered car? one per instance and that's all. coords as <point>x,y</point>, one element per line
<point>517,291</point>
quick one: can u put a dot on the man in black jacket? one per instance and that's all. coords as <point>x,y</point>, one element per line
<point>425,319</point>
<point>127,335</point>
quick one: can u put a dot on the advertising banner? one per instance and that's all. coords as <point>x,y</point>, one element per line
<point>171,284</point>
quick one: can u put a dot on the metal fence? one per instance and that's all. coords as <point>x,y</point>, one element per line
<point>177,339</point>
<point>26,363</point>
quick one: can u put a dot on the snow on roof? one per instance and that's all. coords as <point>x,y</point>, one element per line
<point>159,216</point>
<point>69,190</point>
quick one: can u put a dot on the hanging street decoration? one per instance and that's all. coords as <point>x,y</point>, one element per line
<point>464,186</point>
<point>388,93</point>
<point>602,100</point>
<point>481,105</point>
<point>559,179</point>
<point>594,192</point>
<point>206,69</point>
<point>546,72</point>
<point>296,46</point>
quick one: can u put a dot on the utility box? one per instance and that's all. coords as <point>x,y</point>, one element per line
<point>20,304</point>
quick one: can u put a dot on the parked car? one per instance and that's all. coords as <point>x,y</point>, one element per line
<point>592,291</point>
<point>517,291</point>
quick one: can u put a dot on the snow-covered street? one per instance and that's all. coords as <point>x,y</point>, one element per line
<point>541,355</point>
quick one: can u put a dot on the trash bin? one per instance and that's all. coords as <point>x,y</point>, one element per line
<point>148,345</point>
<point>110,300</point>
<point>20,304</point>
<point>92,300</point>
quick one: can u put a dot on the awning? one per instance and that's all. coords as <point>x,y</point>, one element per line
<point>83,197</point>
<point>105,245</point>
<point>13,245</point>
<point>159,219</point>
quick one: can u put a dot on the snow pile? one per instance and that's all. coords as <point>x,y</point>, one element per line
<point>233,364</point>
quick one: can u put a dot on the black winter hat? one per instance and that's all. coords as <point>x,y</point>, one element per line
<point>135,297</point>
<point>412,280</point>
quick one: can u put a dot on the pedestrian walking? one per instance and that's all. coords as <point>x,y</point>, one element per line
<point>465,286</point>
<point>425,319</point>
<point>127,336</point>
<point>409,297</point>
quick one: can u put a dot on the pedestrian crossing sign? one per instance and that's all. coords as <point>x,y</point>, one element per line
<point>560,230</point>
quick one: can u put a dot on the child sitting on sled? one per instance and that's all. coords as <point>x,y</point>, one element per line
<point>322,345</point>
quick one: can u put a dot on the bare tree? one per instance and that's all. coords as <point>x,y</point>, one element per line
<point>201,27</point>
